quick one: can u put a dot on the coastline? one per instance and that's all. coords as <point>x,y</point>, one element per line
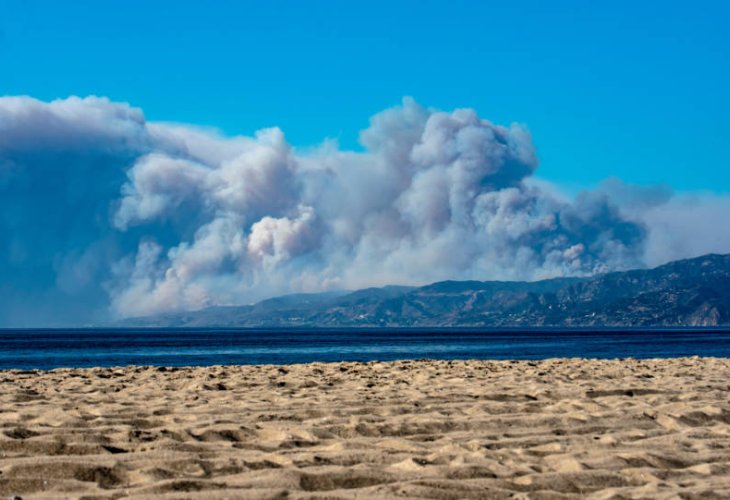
<point>556,428</point>
<point>48,349</point>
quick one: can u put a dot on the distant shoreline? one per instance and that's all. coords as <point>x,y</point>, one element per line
<point>690,292</point>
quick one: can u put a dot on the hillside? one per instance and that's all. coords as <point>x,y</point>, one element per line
<point>692,292</point>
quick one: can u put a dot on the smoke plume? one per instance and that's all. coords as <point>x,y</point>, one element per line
<point>103,214</point>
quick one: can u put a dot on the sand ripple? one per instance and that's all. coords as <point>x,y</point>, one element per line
<point>430,429</point>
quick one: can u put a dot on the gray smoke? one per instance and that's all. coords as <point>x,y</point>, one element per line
<point>103,212</point>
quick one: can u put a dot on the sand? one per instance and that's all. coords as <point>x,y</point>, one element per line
<point>561,428</point>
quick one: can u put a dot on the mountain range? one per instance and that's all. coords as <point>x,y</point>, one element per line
<point>692,292</point>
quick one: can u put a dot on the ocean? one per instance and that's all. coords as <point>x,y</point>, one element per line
<point>47,349</point>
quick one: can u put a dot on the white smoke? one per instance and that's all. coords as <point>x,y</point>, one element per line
<point>103,211</point>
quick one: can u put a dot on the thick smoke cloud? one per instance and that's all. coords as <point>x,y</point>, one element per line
<point>103,214</point>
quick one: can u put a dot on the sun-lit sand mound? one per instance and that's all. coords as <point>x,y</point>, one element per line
<point>433,429</point>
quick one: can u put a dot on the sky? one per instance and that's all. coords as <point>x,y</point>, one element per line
<point>636,90</point>
<point>168,156</point>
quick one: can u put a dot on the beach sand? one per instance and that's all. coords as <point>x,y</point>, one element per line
<point>560,428</point>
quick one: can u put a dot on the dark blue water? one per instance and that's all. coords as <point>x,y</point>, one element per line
<point>173,347</point>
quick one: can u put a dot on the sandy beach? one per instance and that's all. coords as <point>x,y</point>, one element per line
<point>560,428</point>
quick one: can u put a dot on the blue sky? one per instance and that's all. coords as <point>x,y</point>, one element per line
<point>636,90</point>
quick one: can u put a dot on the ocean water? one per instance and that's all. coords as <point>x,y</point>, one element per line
<point>45,349</point>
